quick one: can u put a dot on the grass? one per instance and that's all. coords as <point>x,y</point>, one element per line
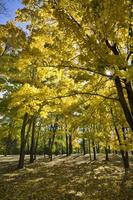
<point>65,178</point>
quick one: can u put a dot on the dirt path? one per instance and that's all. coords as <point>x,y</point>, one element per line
<point>65,178</point>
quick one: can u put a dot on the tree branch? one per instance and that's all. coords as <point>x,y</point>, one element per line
<point>85,93</point>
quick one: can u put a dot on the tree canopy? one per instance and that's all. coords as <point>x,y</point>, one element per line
<point>67,77</point>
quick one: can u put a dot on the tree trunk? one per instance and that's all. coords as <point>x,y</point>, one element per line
<point>37,139</point>
<point>106,154</point>
<point>89,149</point>
<point>36,145</point>
<point>123,102</point>
<point>94,150</point>
<point>70,144</point>
<point>109,150</point>
<point>98,148</point>
<point>32,148</point>
<point>51,142</point>
<point>124,156</point>
<point>84,149</point>
<point>126,152</point>
<point>67,150</point>
<point>49,147</point>
<point>23,142</point>
<point>119,88</point>
<point>129,94</point>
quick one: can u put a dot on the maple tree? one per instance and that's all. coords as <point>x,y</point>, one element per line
<point>72,63</point>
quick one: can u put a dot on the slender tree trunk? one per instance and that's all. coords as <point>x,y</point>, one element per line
<point>49,147</point>
<point>129,90</point>
<point>32,148</point>
<point>36,145</point>
<point>106,154</point>
<point>98,148</point>
<point>51,142</point>
<point>67,150</point>
<point>37,139</point>
<point>126,152</point>
<point>123,102</point>
<point>109,150</point>
<point>84,149</point>
<point>124,158</point>
<point>94,150</point>
<point>89,148</point>
<point>23,142</point>
<point>119,88</point>
<point>70,144</point>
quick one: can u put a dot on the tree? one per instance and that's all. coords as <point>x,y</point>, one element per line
<point>73,64</point>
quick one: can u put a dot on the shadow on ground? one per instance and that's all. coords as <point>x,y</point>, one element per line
<point>66,178</point>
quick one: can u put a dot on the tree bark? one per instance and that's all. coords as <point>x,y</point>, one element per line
<point>106,154</point>
<point>123,102</point>
<point>70,145</point>
<point>37,139</point>
<point>124,156</point>
<point>51,142</point>
<point>32,148</point>
<point>67,150</point>
<point>127,113</point>
<point>94,150</point>
<point>23,142</point>
<point>84,149</point>
<point>98,148</point>
<point>89,148</point>
<point>129,94</point>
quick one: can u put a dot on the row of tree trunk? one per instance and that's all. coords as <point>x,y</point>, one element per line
<point>29,124</point>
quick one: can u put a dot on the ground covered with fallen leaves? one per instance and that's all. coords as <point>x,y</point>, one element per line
<point>66,178</point>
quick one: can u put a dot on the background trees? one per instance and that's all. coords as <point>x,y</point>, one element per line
<point>68,82</point>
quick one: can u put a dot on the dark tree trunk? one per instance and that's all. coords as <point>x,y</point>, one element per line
<point>98,148</point>
<point>84,149</point>
<point>49,147</point>
<point>32,147</point>
<point>129,94</point>
<point>51,142</point>
<point>23,142</point>
<point>123,102</point>
<point>94,150</point>
<point>109,150</point>
<point>67,150</point>
<point>119,88</point>
<point>37,139</point>
<point>36,145</point>
<point>124,156</point>
<point>106,154</point>
<point>89,149</point>
<point>125,152</point>
<point>70,145</point>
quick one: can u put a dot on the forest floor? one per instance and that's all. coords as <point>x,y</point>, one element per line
<point>66,178</point>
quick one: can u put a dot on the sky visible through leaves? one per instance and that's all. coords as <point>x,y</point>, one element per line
<point>11,7</point>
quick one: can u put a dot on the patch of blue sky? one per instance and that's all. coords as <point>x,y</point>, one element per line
<point>11,7</point>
